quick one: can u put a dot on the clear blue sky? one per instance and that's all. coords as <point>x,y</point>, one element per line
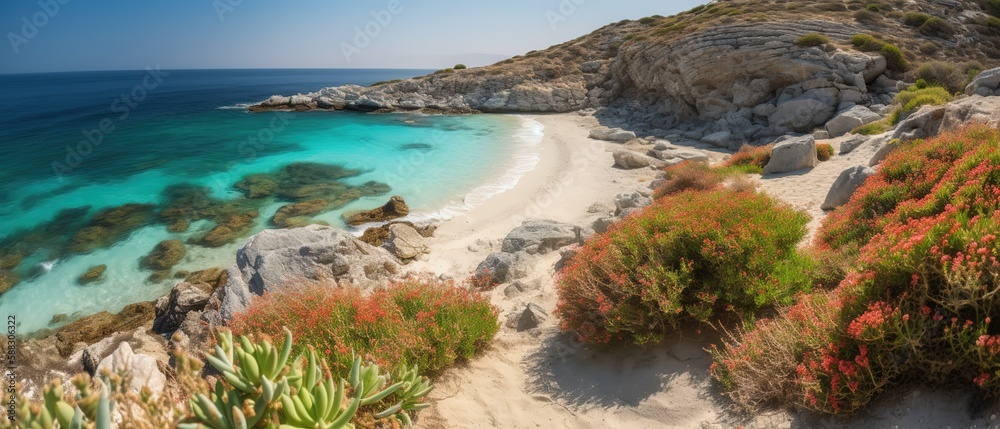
<point>180,34</point>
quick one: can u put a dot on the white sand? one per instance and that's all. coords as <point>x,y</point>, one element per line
<point>543,379</point>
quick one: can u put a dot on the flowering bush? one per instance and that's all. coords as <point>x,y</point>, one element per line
<point>694,255</point>
<point>689,175</point>
<point>919,302</point>
<point>824,151</point>
<point>421,322</point>
<point>749,159</point>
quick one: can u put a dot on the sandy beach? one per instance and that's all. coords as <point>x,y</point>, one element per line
<point>543,378</point>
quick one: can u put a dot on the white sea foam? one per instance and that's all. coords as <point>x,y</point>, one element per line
<point>237,106</point>
<point>525,157</point>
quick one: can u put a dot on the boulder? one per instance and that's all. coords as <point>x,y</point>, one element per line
<point>537,236</point>
<point>848,146</point>
<point>985,84</point>
<point>612,134</point>
<point>142,370</point>
<point>630,160</point>
<point>719,139</point>
<point>503,267</point>
<point>850,119</point>
<point>635,200</point>
<point>405,242</point>
<point>601,225</point>
<point>792,154</point>
<point>272,259</point>
<point>802,114</point>
<point>393,209</point>
<point>173,308</point>
<point>845,185</point>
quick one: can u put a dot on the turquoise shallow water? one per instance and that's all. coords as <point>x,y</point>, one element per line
<point>198,136</point>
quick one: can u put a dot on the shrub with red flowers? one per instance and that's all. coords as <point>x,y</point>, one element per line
<point>696,255</point>
<point>749,159</point>
<point>920,302</point>
<point>422,322</point>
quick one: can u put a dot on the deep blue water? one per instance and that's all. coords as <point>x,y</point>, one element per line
<point>75,146</point>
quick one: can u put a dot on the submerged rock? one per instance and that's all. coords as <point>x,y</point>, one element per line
<point>164,256</point>
<point>110,225</point>
<point>296,215</point>
<point>93,274</point>
<point>8,279</point>
<point>393,209</point>
<point>257,186</point>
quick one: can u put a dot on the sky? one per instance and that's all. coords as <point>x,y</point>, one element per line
<point>77,35</point>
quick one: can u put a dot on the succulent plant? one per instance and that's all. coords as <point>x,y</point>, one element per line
<point>267,389</point>
<point>55,412</point>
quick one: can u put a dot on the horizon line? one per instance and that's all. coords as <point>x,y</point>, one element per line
<point>219,68</point>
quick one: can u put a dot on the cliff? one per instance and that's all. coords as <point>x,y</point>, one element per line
<point>662,76</point>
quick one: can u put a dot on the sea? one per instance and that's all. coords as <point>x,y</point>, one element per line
<point>98,168</point>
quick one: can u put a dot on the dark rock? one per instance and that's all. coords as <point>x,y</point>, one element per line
<point>164,256</point>
<point>91,329</point>
<point>531,317</point>
<point>184,298</point>
<point>393,209</point>
<point>58,318</point>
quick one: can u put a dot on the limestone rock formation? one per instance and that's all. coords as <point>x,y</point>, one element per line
<point>850,119</point>
<point>183,298</point>
<point>845,185</point>
<point>792,154</point>
<point>273,259</point>
<point>986,84</point>
<point>536,236</point>
<point>930,121</point>
<point>611,134</point>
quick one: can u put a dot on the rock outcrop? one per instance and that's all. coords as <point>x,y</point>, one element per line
<point>986,84</point>
<point>273,259</point>
<point>930,121</point>
<point>850,119</point>
<point>630,160</point>
<point>395,208</point>
<point>536,236</point>
<point>143,371</point>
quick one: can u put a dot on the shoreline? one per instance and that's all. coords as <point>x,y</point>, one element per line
<point>573,173</point>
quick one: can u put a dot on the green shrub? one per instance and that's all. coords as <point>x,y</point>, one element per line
<point>894,58</point>
<point>919,303</point>
<point>873,7</point>
<point>915,97</point>
<point>649,20</point>
<point>460,67</point>
<point>413,322</point>
<point>993,22</point>
<point>942,74</point>
<point>874,128</point>
<point>866,43</point>
<point>813,39</point>
<point>694,256</point>
<point>824,151</point>
<point>937,27</point>
<point>929,48</point>
<point>915,19</point>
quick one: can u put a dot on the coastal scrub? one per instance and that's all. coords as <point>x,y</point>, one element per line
<point>694,256</point>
